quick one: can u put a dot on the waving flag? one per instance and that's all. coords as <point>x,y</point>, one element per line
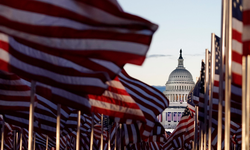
<point>86,28</point>
<point>201,92</point>
<point>183,133</point>
<point>151,101</point>
<point>246,27</point>
<point>116,102</point>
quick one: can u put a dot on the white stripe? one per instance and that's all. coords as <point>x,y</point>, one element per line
<point>115,84</point>
<point>84,9</point>
<point>15,93</point>
<point>11,82</point>
<point>14,103</point>
<point>216,89</point>
<point>45,57</point>
<point>54,76</point>
<point>119,97</point>
<point>134,133</point>
<point>114,107</point>
<point>237,46</point>
<point>236,68</point>
<point>80,44</point>
<point>163,100</point>
<point>246,35</point>
<point>126,134</point>
<point>70,96</point>
<point>246,5</point>
<point>237,25</point>
<point>107,64</point>
<point>34,18</point>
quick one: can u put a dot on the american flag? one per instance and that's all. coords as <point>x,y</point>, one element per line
<point>175,117</point>
<point>190,103</point>
<point>97,29</point>
<point>151,101</point>
<point>196,92</point>
<point>246,27</point>
<point>201,92</point>
<point>169,116</point>
<point>159,117</point>
<point>183,133</point>
<point>236,86</point>
<point>116,102</point>
<point>237,42</point>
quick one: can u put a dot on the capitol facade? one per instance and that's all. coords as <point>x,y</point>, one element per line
<point>179,84</point>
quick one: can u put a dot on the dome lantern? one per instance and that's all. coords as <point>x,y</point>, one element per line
<point>180,60</point>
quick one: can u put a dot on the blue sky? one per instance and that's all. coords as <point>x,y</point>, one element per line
<point>183,24</point>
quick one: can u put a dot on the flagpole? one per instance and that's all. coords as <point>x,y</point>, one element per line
<point>92,132</point>
<point>228,75</point>
<point>31,114</point>
<point>116,126</point>
<point>206,89</point>
<point>21,140</point>
<point>2,140</point>
<point>221,68</point>
<point>120,144</point>
<point>34,144</point>
<point>245,101</point>
<point>211,90</point>
<point>101,132</point>
<point>58,126</point>
<point>47,142</point>
<point>196,128</point>
<point>14,139</point>
<point>201,135</point>
<point>78,133</point>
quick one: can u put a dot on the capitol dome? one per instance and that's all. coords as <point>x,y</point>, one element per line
<point>179,83</point>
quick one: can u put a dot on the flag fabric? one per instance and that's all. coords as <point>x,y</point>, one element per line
<point>151,101</point>
<point>196,92</point>
<point>30,63</point>
<point>201,92</point>
<point>246,27</point>
<point>169,117</point>
<point>159,117</point>
<point>116,102</point>
<point>237,42</point>
<point>216,77</point>
<point>183,133</point>
<point>175,116</point>
<point>85,28</point>
<point>14,94</point>
<point>179,116</point>
<point>236,85</point>
<point>190,102</point>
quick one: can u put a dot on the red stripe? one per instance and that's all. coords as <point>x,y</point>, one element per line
<point>236,78</point>
<point>245,17</point>
<point>114,101</point>
<point>246,48</point>
<point>236,57</point>
<point>77,55</point>
<point>69,33</point>
<point>52,10</point>
<point>236,35</point>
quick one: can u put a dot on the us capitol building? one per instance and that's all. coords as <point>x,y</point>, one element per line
<point>179,83</point>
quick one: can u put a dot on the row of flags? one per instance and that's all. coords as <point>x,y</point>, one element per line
<point>217,100</point>
<point>217,116</point>
<point>62,79</point>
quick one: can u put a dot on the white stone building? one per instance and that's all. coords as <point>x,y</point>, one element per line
<point>179,83</point>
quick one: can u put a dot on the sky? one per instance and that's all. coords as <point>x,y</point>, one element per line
<point>183,24</point>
